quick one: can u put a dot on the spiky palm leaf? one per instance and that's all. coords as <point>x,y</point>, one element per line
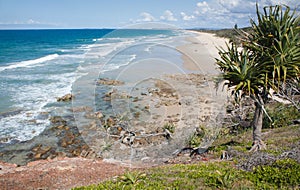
<point>241,71</point>
<point>276,40</point>
<point>270,56</point>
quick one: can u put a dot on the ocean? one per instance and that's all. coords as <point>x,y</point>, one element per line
<point>37,66</point>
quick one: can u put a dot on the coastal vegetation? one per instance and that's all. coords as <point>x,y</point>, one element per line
<point>229,33</point>
<point>275,168</point>
<point>268,58</point>
<point>221,175</point>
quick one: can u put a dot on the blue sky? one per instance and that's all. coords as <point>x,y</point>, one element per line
<point>121,13</point>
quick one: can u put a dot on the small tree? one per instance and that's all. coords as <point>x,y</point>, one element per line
<point>270,55</point>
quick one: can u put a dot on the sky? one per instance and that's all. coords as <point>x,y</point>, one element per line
<point>124,13</point>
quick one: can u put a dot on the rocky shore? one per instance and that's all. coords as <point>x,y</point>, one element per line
<point>163,118</point>
<point>141,127</point>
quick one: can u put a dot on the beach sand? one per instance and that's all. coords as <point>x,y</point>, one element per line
<point>187,100</point>
<point>200,54</point>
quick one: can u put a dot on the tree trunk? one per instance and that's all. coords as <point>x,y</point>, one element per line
<point>258,144</point>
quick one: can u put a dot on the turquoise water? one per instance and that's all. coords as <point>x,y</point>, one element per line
<point>36,66</point>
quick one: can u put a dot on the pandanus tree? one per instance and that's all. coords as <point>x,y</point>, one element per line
<point>268,57</point>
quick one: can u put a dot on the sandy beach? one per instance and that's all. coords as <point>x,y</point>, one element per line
<point>186,101</point>
<point>200,54</point>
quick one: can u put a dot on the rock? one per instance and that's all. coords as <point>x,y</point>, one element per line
<point>57,120</point>
<point>82,109</point>
<point>63,143</point>
<point>40,152</point>
<point>43,116</point>
<point>30,155</point>
<point>61,154</point>
<point>38,156</point>
<point>135,99</point>
<point>84,153</point>
<point>168,103</point>
<point>105,81</point>
<point>90,154</point>
<point>136,115</point>
<point>108,95</point>
<point>76,152</point>
<point>60,127</point>
<point>45,150</point>
<point>89,115</point>
<point>99,115</point>
<point>110,122</point>
<point>37,148</point>
<point>32,121</point>
<point>114,131</point>
<point>4,139</point>
<point>65,98</point>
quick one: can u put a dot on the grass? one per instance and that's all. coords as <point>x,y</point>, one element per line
<point>216,174</point>
<point>180,176</point>
<point>283,174</point>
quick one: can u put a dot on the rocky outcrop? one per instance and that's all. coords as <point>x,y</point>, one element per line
<point>65,98</point>
<point>112,82</point>
<point>61,139</point>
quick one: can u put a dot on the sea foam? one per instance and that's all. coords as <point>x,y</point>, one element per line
<point>30,62</point>
<point>34,87</point>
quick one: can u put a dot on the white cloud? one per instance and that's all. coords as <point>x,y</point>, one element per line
<point>146,17</point>
<point>202,8</point>
<point>248,6</point>
<point>238,6</point>
<point>186,17</point>
<point>217,13</point>
<point>202,4</point>
<point>168,16</point>
<point>291,3</point>
<point>212,14</point>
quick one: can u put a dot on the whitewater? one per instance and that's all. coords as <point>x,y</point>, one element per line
<point>37,66</point>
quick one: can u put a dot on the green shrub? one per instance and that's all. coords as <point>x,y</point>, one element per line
<point>170,127</point>
<point>281,174</point>
<point>282,116</point>
<point>221,179</point>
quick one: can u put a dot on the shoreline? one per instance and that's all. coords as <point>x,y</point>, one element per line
<point>197,58</point>
<point>200,53</point>
<point>185,100</point>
